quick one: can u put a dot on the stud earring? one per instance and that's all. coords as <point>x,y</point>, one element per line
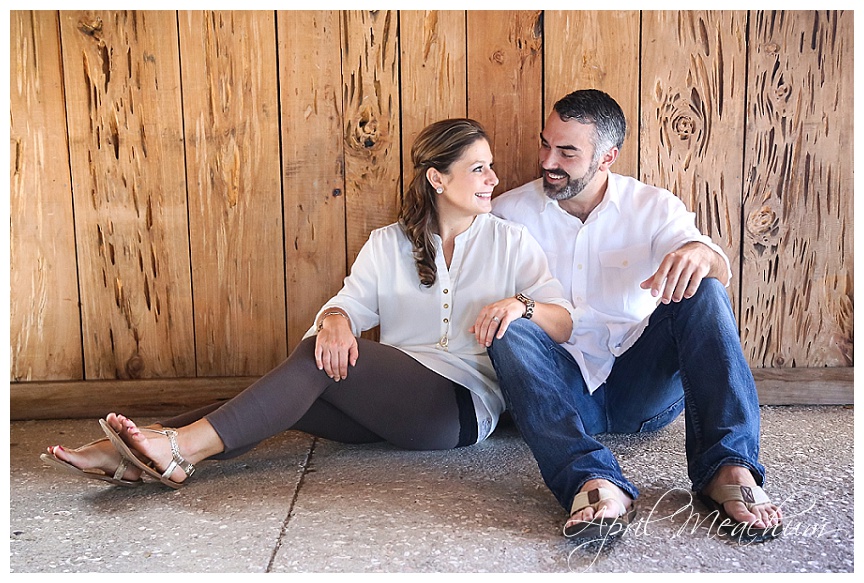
<point>439,190</point>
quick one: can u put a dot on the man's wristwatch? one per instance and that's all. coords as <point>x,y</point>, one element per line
<point>529,305</point>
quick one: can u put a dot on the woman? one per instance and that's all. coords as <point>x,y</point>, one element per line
<point>442,283</point>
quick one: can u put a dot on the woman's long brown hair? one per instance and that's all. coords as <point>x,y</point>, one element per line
<point>437,146</point>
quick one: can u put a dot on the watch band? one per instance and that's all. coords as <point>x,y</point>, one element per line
<point>529,305</point>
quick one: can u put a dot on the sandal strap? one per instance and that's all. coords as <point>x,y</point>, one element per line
<point>178,460</point>
<point>591,498</point>
<point>750,495</point>
<point>121,468</point>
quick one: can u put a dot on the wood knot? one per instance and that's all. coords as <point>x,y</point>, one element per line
<point>783,91</point>
<point>684,126</point>
<point>763,223</point>
<point>90,28</point>
<point>135,367</point>
<point>366,133</point>
<point>498,57</point>
<point>772,48</point>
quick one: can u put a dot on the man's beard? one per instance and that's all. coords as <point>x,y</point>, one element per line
<point>573,187</point>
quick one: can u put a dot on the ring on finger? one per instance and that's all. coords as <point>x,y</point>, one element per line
<point>496,319</point>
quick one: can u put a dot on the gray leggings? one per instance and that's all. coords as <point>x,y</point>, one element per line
<point>387,396</point>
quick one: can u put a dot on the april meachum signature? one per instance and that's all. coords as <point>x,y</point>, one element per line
<point>687,520</point>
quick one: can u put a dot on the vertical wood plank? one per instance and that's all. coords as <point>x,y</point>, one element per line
<point>693,99</point>
<point>505,88</point>
<point>797,298</point>
<point>596,49</point>
<point>122,85</point>
<point>370,85</point>
<point>231,113</point>
<point>313,168</point>
<point>433,80</point>
<point>44,323</point>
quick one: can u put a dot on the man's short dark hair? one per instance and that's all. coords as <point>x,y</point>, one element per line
<point>592,106</point>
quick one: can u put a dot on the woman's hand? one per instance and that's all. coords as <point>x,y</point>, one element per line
<point>335,347</point>
<point>494,319</point>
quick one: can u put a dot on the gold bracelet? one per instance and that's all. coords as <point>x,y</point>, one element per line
<point>325,315</point>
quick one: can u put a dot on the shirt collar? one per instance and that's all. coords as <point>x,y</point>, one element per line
<point>612,193</point>
<point>611,196</point>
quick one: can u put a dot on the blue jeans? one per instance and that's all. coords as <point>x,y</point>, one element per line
<point>688,358</point>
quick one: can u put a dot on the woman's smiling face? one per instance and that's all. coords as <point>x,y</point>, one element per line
<point>469,183</point>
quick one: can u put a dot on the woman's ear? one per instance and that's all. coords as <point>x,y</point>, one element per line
<point>434,178</point>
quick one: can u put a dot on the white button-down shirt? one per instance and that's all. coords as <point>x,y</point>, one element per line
<point>492,260</point>
<point>602,261</point>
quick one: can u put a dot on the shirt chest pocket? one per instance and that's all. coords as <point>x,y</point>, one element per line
<point>622,272</point>
<point>634,256</point>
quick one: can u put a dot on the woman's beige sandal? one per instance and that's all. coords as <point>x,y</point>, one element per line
<point>94,473</point>
<point>599,528</point>
<point>176,461</point>
<point>750,496</point>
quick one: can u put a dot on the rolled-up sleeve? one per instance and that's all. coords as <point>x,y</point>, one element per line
<point>680,228</point>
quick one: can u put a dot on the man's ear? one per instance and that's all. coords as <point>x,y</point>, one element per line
<point>608,158</point>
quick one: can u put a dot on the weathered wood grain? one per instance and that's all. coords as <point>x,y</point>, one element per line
<point>693,81</point>
<point>44,323</point>
<point>596,49</point>
<point>505,88</point>
<point>231,115</point>
<point>433,73</point>
<point>354,88</point>
<point>122,86</point>
<point>370,97</point>
<point>313,162</point>
<point>797,297</point>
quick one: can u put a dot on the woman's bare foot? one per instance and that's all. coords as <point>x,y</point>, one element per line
<point>150,446</point>
<point>99,455</point>
<point>196,442</point>
<point>612,508</point>
<point>760,516</point>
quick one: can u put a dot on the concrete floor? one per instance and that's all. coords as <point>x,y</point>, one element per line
<point>297,504</point>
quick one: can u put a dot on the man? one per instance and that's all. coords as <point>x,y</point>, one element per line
<point>654,334</point>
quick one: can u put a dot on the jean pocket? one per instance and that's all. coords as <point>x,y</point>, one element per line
<point>663,418</point>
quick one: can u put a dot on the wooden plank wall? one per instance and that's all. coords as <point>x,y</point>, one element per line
<point>188,187</point>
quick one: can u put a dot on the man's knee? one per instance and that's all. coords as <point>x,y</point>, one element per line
<point>710,298</point>
<point>520,335</point>
<point>711,288</point>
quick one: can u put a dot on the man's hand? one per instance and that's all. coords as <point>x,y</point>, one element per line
<point>682,270</point>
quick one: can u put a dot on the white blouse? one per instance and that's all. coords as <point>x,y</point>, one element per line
<point>602,261</point>
<point>492,260</point>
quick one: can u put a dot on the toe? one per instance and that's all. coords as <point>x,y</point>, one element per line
<point>769,514</point>
<point>584,515</point>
